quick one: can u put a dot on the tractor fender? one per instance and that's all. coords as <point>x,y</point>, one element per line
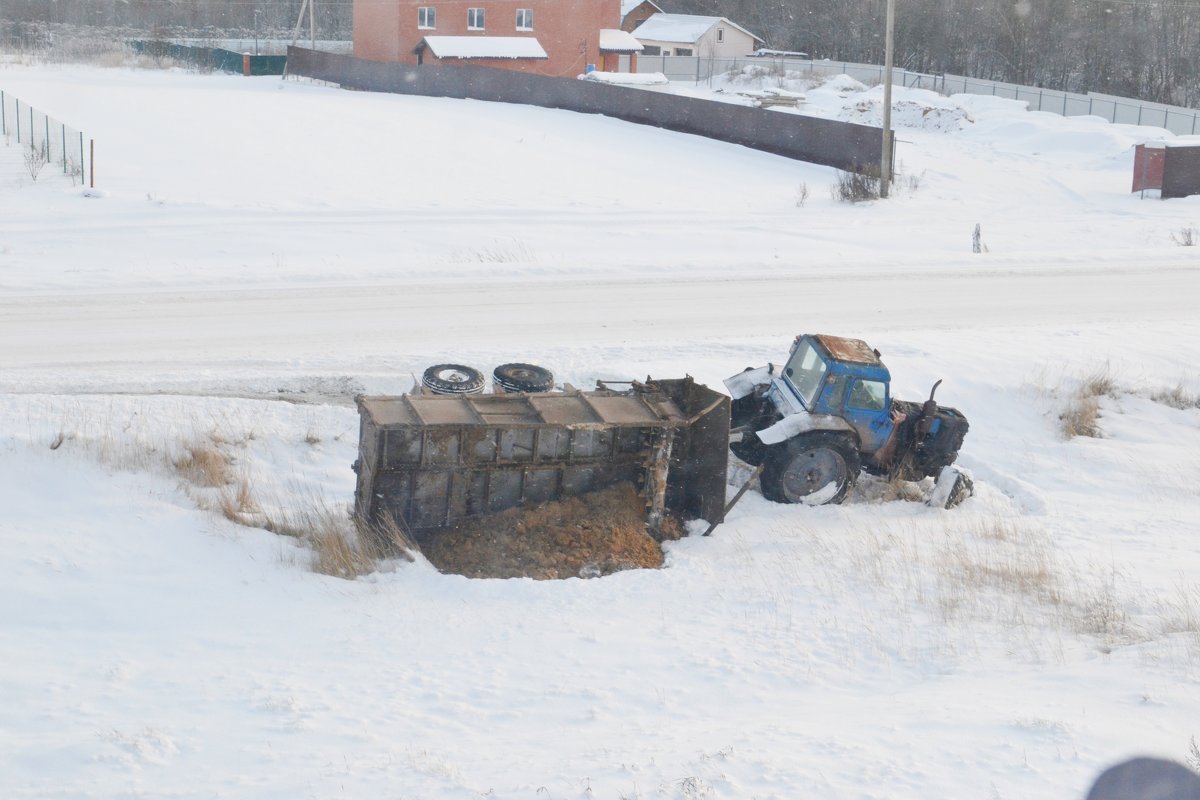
<point>796,424</point>
<point>744,383</point>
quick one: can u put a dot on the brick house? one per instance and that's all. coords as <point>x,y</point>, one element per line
<point>544,37</point>
<point>635,12</point>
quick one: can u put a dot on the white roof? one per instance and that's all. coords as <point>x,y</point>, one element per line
<point>681,27</point>
<point>630,5</point>
<point>485,47</point>
<point>612,40</point>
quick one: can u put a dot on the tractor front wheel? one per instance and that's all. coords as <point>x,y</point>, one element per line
<point>813,469</point>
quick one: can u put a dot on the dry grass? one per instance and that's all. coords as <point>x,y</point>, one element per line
<point>237,503</point>
<point>855,187</point>
<point>341,544</point>
<point>1081,417</point>
<point>1100,382</point>
<point>1177,397</point>
<point>205,465</point>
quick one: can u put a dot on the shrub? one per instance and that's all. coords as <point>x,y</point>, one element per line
<point>855,187</point>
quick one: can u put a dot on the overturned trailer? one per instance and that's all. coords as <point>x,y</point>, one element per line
<point>428,461</point>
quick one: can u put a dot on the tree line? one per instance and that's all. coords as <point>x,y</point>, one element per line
<point>1149,49</point>
<point>1134,48</point>
<point>177,18</point>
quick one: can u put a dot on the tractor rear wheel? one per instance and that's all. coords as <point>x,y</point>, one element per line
<point>813,469</point>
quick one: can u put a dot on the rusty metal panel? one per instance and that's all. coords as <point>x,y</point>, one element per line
<point>627,410</point>
<point>853,350</point>
<point>1181,172</point>
<point>563,409</point>
<point>1148,167</point>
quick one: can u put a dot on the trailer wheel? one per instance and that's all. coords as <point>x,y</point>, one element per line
<point>813,469</point>
<point>523,378</point>
<point>453,379</point>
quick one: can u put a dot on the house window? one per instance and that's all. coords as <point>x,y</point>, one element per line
<point>474,19</point>
<point>720,34</point>
<point>651,50</point>
<point>683,51</point>
<point>426,18</point>
<point>524,19</point>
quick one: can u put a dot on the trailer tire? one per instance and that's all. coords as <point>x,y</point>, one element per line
<point>813,469</point>
<point>452,379</point>
<point>518,377</point>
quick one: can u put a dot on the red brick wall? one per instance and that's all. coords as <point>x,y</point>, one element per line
<point>568,30</point>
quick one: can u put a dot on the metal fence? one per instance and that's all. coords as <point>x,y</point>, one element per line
<point>1176,119</point>
<point>45,142</point>
<point>210,59</point>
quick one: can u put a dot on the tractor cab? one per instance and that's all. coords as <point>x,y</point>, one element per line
<point>842,378</point>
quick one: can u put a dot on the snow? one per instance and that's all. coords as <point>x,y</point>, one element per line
<point>618,41</point>
<point>234,285</point>
<point>485,47</point>
<point>675,27</point>
<point>627,78</point>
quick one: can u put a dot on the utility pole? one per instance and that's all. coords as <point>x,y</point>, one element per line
<point>885,161</point>
<point>309,6</point>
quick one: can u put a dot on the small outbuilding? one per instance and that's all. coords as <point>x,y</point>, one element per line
<point>1171,168</point>
<point>618,51</point>
<point>694,35</point>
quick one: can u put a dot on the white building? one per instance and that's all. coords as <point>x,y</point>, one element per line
<point>693,35</point>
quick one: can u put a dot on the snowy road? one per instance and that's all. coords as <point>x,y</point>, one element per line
<point>177,328</point>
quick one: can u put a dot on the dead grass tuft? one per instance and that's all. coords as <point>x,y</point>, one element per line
<point>205,465</point>
<point>342,545</point>
<point>1100,383</point>
<point>1003,557</point>
<point>1177,397</point>
<point>855,187</point>
<point>237,502</point>
<point>1081,417</point>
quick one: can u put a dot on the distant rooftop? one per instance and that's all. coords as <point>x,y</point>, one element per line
<point>681,27</point>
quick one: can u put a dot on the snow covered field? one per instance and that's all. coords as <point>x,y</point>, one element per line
<point>256,239</point>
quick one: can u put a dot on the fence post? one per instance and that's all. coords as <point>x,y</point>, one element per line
<point>1140,109</point>
<point>1193,124</point>
<point>64,146</point>
<point>47,139</point>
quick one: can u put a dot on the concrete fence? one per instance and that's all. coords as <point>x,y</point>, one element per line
<point>844,145</point>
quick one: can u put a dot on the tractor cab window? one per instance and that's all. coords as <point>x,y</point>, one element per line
<point>805,370</point>
<point>869,395</point>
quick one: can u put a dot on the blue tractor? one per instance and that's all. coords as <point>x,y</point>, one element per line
<point>813,425</point>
